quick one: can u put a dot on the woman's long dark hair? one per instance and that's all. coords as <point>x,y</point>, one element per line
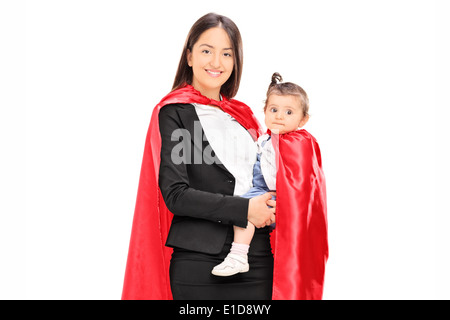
<point>211,20</point>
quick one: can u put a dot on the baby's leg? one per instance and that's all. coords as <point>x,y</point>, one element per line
<point>237,260</point>
<point>244,235</point>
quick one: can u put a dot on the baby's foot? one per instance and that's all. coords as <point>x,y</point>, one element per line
<point>232,264</point>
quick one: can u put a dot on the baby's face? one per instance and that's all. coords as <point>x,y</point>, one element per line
<point>284,113</point>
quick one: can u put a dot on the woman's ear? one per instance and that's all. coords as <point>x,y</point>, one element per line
<point>189,57</point>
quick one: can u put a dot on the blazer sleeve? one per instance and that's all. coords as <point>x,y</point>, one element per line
<point>180,198</point>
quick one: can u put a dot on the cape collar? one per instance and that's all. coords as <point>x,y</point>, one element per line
<point>238,110</point>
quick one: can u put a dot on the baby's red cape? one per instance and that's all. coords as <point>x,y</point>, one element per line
<point>299,241</point>
<point>147,269</point>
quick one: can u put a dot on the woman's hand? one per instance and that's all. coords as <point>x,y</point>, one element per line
<point>259,213</point>
<point>272,203</point>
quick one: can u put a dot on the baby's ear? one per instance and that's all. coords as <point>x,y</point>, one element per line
<point>303,121</point>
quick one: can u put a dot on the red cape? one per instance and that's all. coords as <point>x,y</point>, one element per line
<point>299,241</point>
<point>147,269</point>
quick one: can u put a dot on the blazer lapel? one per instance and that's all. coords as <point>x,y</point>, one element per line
<point>191,122</point>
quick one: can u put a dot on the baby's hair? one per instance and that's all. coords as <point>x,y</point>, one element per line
<point>287,88</point>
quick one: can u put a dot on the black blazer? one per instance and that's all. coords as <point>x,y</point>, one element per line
<point>200,195</point>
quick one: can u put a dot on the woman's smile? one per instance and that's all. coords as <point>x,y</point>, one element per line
<point>214,73</point>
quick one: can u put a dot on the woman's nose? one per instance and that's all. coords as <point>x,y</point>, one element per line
<point>215,61</point>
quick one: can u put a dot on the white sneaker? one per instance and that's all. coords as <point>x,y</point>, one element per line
<point>232,264</point>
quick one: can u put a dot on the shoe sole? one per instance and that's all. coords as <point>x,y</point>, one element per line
<point>227,274</point>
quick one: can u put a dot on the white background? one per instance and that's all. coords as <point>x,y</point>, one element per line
<point>79,80</point>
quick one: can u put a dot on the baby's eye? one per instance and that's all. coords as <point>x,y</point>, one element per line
<point>289,112</point>
<point>273,110</point>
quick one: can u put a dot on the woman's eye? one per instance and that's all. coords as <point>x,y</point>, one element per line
<point>227,54</point>
<point>206,51</point>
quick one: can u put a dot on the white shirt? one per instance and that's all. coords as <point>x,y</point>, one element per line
<point>231,143</point>
<point>268,161</point>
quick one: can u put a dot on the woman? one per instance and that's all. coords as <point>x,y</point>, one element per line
<point>207,152</point>
<point>198,159</point>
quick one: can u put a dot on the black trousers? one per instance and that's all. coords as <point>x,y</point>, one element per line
<point>191,278</point>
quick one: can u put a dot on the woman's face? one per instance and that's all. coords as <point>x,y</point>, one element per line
<point>212,61</point>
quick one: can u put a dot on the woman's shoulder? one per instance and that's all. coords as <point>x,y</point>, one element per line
<point>173,108</point>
